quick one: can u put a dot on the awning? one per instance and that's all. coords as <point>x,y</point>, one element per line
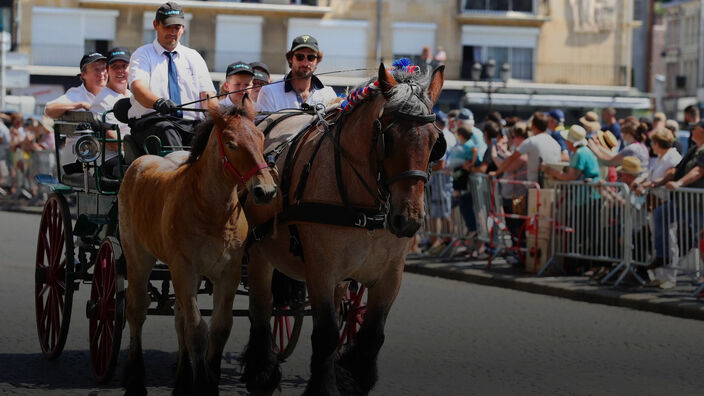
<point>558,101</point>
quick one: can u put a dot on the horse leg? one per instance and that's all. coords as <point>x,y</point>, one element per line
<point>361,358</point>
<point>224,290</point>
<point>261,372</point>
<point>195,330</point>
<point>139,267</point>
<point>324,339</point>
<point>184,372</point>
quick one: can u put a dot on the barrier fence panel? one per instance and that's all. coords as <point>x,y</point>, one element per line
<point>512,220</point>
<point>678,220</point>
<point>592,225</point>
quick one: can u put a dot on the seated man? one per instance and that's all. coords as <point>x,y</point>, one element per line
<point>238,78</point>
<point>261,78</point>
<point>118,74</point>
<point>94,77</point>
<point>163,75</point>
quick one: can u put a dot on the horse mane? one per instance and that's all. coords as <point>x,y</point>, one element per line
<point>410,94</point>
<point>206,127</point>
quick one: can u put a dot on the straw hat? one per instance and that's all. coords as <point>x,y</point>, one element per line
<point>47,123</point>
<point>590,122</point>
<point>610,139</point>
<point>600,138</point>
<point>575,135</point>
<point>631,165</point>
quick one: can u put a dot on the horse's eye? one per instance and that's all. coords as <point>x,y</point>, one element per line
<point>230,145</point>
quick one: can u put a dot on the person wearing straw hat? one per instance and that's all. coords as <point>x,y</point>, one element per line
<point>583,165</point>
<point>590,122</point>
<point>610,123</point>
<point>633,137</point>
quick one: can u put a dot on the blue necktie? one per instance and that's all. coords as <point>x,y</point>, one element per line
<point>174,91</point>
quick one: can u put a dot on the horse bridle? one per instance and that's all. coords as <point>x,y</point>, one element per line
<point>227,165</point>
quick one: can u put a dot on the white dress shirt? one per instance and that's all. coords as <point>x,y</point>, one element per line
<point>150,65</point>
<point>281,95</point>
<point>73,95</point>
<point>104,101</point>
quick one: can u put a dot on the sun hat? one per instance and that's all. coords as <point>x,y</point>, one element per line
<point>610,139</point>
<point>590,122</point>
<point>575,135</point>
<point>631,165</point>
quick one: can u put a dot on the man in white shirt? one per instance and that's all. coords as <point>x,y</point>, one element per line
<point>118,75</point>
<point>300,85</point>
<point>94,76</point>
<point>163,75</point>
<point>539,147</point>
<point>238,81</point>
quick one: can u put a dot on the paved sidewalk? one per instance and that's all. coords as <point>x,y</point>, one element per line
<point>677,301</point>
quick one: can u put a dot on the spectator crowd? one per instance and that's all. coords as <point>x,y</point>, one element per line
<point>642,153</point>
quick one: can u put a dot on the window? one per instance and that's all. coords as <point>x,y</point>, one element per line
<point>229,26</point>
<point>60,36</point>
<point>410,38</point>
<point>520,60</point>
<point>515,45</point>
<point>499,5</point>
<point>149,34</point>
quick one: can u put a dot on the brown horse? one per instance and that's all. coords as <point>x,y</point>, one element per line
<point>385,143</point>
<point>187,214</point>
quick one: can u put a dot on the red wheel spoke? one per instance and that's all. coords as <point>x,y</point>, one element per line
<point>288,327</point>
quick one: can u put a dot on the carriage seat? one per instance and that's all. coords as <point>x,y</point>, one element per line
<point>76,180</point>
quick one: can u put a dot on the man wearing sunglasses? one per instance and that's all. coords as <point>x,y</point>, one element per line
<point>300,85</point>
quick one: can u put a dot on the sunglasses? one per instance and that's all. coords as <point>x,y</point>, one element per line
<point>311,57</point>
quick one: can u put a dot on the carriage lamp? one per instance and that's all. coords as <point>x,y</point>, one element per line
<point>87,148</point>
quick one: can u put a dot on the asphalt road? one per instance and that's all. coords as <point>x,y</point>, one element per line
<point>443,338</point>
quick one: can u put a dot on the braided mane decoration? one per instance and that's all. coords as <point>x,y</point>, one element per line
<point>400,67</point>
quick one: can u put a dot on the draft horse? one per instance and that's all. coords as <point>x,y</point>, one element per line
<point>373,160</point>
<point>187,214</point>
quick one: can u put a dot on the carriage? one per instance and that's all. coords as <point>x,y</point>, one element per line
<point>79,242</point>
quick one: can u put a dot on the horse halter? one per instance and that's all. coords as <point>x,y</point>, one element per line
<point>380,136</point>
<point>227,165</point>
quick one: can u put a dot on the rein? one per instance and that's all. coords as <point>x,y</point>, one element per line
<point>227,165</point>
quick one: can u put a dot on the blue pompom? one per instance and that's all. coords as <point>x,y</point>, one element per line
<point>401,63</point>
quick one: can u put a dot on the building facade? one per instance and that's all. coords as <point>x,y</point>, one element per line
<point>550,45</point>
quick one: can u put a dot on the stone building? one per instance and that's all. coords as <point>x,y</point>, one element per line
<point>574,54</point>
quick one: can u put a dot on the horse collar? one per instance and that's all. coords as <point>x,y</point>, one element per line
<point>227,165</point>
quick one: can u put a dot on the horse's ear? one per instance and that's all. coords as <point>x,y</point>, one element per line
<point>248,107</point>
<point>216,115</point>
<point>436,82</point>
<point>386,80</point>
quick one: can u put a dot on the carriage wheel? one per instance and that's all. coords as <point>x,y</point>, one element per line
<point>286,329</point>
<point>351,313</point>
<point>53,276</point>
<point>106,309</point>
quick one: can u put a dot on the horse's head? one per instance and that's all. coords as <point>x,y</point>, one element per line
<point>241,146</point>
<point>407,141</point>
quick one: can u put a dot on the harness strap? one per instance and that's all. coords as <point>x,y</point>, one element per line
<point>320,213</point>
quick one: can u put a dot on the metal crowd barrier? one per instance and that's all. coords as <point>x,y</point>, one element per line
<point>591,223</point>
<point>678,220</point>
<point>510,231</point>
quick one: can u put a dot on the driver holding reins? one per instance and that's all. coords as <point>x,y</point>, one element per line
<point>300,85</point>
<point>163,75</point>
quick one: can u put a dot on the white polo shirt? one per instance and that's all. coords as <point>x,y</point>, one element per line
<point>104,101</point>
<point>226,101</point>
<point>149,64</point>
<point>281,95</point>
<point>73,95</point>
